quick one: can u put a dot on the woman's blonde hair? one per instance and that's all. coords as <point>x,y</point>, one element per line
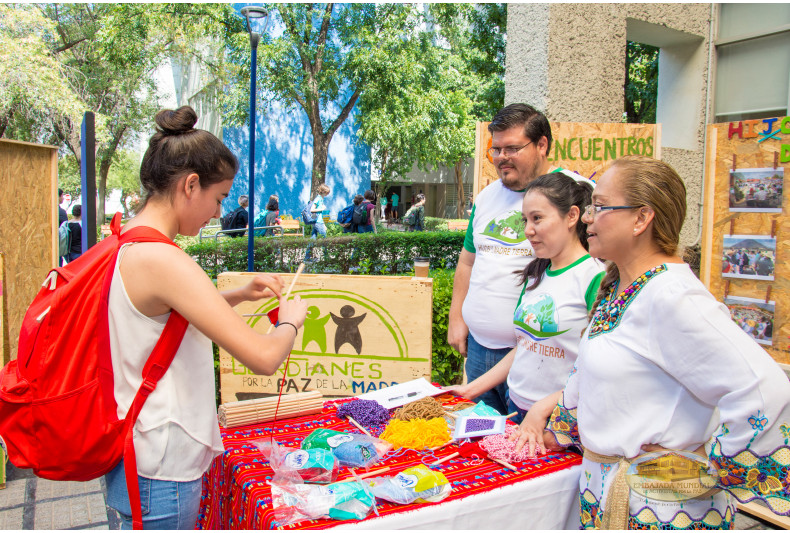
<point>323,189</point>
<point>649,182</point>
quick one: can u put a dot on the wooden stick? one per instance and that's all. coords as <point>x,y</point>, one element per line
<point>273,399</point>
<point>441,446</point>
<point>451,415</point>
<point>444,459</point>
<point>288,291</point>
<point>372,473</point>
<point>354,422</point>
<point>503,463</point>
<point>511,415</point>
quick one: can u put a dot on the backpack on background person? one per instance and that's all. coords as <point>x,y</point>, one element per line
<point>308,217</point>
<point>411,216</point>
<point>345,216</point>
<point>64,239</point>
<point>234,220</point>
<point>58,413</point>
<point>360,215</point>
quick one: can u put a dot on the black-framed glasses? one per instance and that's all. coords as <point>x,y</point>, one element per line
<point>507,151</point>
<point>592,210</point>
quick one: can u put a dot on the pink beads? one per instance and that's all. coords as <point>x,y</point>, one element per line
<point>499,447</point>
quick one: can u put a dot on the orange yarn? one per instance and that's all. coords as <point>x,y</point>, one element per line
<point>417,433</point>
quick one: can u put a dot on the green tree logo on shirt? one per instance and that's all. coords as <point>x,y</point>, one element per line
<point>538,318</point>
<point>506,229</point>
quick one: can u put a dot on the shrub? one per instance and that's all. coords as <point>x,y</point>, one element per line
<point>368,253</point>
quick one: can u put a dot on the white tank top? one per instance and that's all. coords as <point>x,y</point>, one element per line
<point>177,434</point>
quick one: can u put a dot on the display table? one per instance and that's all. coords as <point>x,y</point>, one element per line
<point>541,494</point>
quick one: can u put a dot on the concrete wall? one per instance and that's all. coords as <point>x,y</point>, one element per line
<point>569,60</point>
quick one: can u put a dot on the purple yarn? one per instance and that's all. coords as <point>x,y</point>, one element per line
<point>368,413</point>
<point>478,424</point>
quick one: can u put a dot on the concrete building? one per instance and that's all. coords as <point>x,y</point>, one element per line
<point>717,62</point>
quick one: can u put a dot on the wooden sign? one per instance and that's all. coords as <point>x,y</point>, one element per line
<point>740,159</point>
<point>584,148</point>
<point>5,348</point>
<point>362,333</point>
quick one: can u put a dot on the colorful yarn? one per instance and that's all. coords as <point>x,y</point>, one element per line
<point>425,408</point>
<point>416,434</point>
<point>369,413</point>
<point>499,447</point>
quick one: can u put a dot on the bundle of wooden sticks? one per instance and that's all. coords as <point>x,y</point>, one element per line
<point>243,413</point>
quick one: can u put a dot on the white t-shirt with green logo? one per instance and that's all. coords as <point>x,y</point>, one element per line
<point>548,323</point>
<point>496,236</point>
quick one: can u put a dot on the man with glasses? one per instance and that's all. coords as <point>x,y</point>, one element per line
<point>486,287</point>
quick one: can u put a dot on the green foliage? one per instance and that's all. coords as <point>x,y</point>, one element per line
<point>446,364</point>
<point>125,175</point>
<point>641,83</point>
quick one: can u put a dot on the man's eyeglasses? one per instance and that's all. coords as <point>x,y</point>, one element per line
<point>507,151</point>
<point>592,210</point>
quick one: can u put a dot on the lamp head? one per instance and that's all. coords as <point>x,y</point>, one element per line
<point>254,14</point>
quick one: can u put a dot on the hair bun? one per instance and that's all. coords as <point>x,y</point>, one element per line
<point>182,120</point>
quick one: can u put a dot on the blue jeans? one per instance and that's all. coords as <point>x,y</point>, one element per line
<point>480,360</point>
<point>365,229</point>
<point>166,504</point>
<point>318,229</point>
<point>513,408</point>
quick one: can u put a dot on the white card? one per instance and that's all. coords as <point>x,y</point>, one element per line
<point>478,426</point>
<point>403,393</point>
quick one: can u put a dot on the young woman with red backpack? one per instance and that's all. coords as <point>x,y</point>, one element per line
<point>186,174</point>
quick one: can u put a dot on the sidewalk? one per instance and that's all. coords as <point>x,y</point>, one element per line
<point>29,502</point>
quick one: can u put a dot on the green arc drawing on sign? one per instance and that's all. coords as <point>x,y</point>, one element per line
<point>382,314</point>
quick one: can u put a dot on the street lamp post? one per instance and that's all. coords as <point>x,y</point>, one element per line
<point>253,13</point>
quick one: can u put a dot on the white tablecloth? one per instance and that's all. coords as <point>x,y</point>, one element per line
<point>546,502</point>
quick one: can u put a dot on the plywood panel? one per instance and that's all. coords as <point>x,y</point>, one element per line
<point>28,224</point>
<point>362,333</point>
<point>753,151</point>
<point>585,148</point>
<point>5,348</point>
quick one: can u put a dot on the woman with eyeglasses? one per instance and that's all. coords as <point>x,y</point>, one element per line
<point>666,385</point>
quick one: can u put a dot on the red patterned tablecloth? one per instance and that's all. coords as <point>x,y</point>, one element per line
<point>236,494</point>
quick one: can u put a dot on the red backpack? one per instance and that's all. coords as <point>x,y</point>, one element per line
<point>58,414</point>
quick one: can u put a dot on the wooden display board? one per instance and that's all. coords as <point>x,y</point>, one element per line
<point>362,333</point>
<point>29,228</point>
<point>747,146</point>
<point>5,348</point>
<point>584,148</point>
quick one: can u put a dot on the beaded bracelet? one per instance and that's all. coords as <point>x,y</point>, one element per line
<point>296,330</point>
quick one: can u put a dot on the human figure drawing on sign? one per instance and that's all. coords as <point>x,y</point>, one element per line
<point>348,328</point>
<point>315,329</point>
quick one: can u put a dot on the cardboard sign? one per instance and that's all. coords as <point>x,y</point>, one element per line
<point>584,148</point>
<point>362,333</point>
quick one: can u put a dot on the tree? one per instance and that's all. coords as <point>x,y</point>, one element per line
<point>125,176</point>
<point>641,83</point>
<point>322,62</point>
<point>34,90</point>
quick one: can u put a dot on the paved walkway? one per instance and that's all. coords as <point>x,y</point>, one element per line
<point>29,502</point>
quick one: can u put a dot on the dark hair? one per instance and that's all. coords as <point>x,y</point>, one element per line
<point>370,195</point>
<point>420,197</point>
<point>358,199</point>
<point>60,192</point>
<point>563,192</point>
<point>76,210</point>
<point>177,149</point>
<point>535,123</point>
<point>273,204</point>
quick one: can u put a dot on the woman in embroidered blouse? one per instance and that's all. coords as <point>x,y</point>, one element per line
<point>659,357</point>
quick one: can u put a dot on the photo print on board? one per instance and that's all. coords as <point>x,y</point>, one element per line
<point>757,190</point>
<point>754,316</point>
<point>748,257</point>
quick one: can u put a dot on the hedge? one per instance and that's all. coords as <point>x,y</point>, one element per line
<point>389,252</point>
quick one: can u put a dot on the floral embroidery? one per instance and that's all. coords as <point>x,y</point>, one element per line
<point>590,511</point>
<point>758,421</point>
<point>562,424</point>
<point>727,476</point>
<point>765,483</point>
<point>785,429</point>
<point>612,307</point>
<point>683,521</point>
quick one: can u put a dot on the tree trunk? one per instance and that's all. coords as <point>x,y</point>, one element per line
<point>101,187</point>
<point>459,187</point>
<point>320,153</point>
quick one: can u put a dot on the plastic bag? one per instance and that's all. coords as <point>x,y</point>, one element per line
<point>312,466</point>
<point>351,449</point>
<point>294,502</point>
<point>418,483</point>
<point>481,409</point>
